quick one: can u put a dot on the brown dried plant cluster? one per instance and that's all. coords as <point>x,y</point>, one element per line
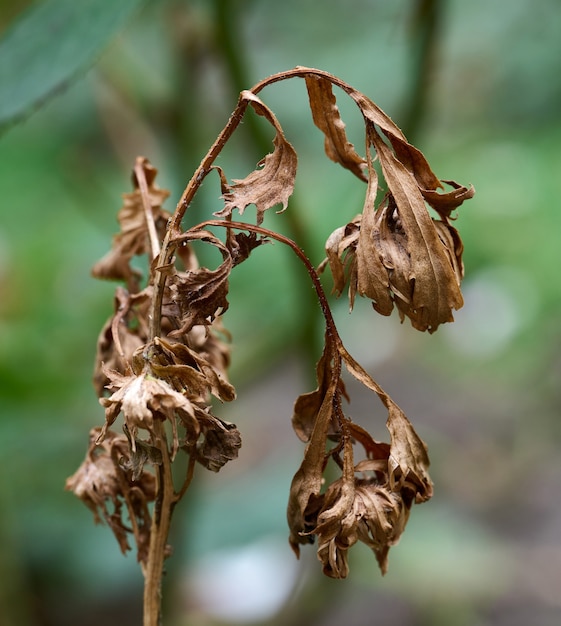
<point>162,357</point>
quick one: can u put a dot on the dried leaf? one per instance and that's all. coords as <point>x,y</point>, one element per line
<point>121,336</point>
<point>143,399</point>
<point>307,405</point>
<point>408,462</point>
<point>327,118</point>
<point>434,289</point>
<point>105,483</point>
<point>355,509</point>
<point>190,371</point>
<point>273,183</point>
<point>133,237</point>
<point>306,484</point>
<point>200,294</point>
<point>340,249</point>
<point>221,443</point>
<point>372,279</point>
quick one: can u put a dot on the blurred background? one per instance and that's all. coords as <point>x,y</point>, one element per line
<point>477,87</point>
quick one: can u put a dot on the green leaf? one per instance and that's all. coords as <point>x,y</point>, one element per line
<point>49,45</point>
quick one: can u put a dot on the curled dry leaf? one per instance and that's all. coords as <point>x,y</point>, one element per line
<point>200,294</point>
<point>133,238</point>
<point>121,336</point>
<point>188,370</point>
<point>307,405</point>
<point>359,508</point>
<point>327,118</point>
<point>401,255</point>
<point>108,485</point>
<point>273,183</point>
<point>220,443</point>
<point>306,484</point>
<point>408,460</point>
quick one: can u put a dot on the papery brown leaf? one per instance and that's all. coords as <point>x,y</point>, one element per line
<point>372,280</point>
<point>340,249</point>
<point>196,375</point>
<point>221,443</point>
<point>143,399</point>
<point>121,336</point>
<point>453,246</point>
<point>108,485</point>
<point>133,237</point>
<point>417,264</point>
<point>307,405</point>
<point>213,344</point>
<point>273,183</point>
<point>306,484</point>
<point>354,510</point>
<point>200,294</point>
<point>409,461</point>
<point>445,203</point>
<point>327,118</point>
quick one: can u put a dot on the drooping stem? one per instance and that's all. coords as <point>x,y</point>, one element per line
<point>322,298</point>
<point>174,227</point>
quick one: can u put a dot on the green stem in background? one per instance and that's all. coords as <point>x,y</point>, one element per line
<point>227,18</point>
<point>425,38</point>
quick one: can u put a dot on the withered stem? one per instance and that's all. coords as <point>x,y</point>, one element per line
<point>174,227</point>
<point>322,298</point>
<point>161,518</point>
<point>147,206</point>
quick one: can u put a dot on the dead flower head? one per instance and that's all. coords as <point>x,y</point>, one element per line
<point>358,510</point>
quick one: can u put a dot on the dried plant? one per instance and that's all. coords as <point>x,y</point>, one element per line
<point>163,355</point>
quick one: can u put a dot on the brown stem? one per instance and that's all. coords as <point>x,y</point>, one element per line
<point>174,227</point>
<point>322,298</point>
<point>159,531</point>
<point>147,206</point>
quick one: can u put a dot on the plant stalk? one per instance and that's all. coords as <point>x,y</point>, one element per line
<point>159,531</point>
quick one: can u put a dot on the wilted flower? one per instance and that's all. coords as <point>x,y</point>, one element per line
<point>358,510</point>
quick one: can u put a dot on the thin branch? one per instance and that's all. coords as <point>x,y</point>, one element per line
<point>147,205</point>
<point>322,298</point>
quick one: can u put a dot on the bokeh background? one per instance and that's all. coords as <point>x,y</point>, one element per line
<point>477,86</point>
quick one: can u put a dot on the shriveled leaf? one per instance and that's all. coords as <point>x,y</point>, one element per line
<point>273,182</point>
<point>340,248</point>
<point>133,238</point>
<point>201,294</point>
<point>445,203</point>
<point>142,400</point>
<point>221,443</point>
<point>434,289</point>
<point>409,461</point>
<point>372,280</point>
<point>121,336</point>
<point>327,118</point>
<point>105,483</point>
<point>305,488</point>
<point>190,371</point>
<point>308,405</point>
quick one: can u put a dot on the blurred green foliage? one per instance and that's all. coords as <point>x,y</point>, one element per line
<point>484,392</point>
